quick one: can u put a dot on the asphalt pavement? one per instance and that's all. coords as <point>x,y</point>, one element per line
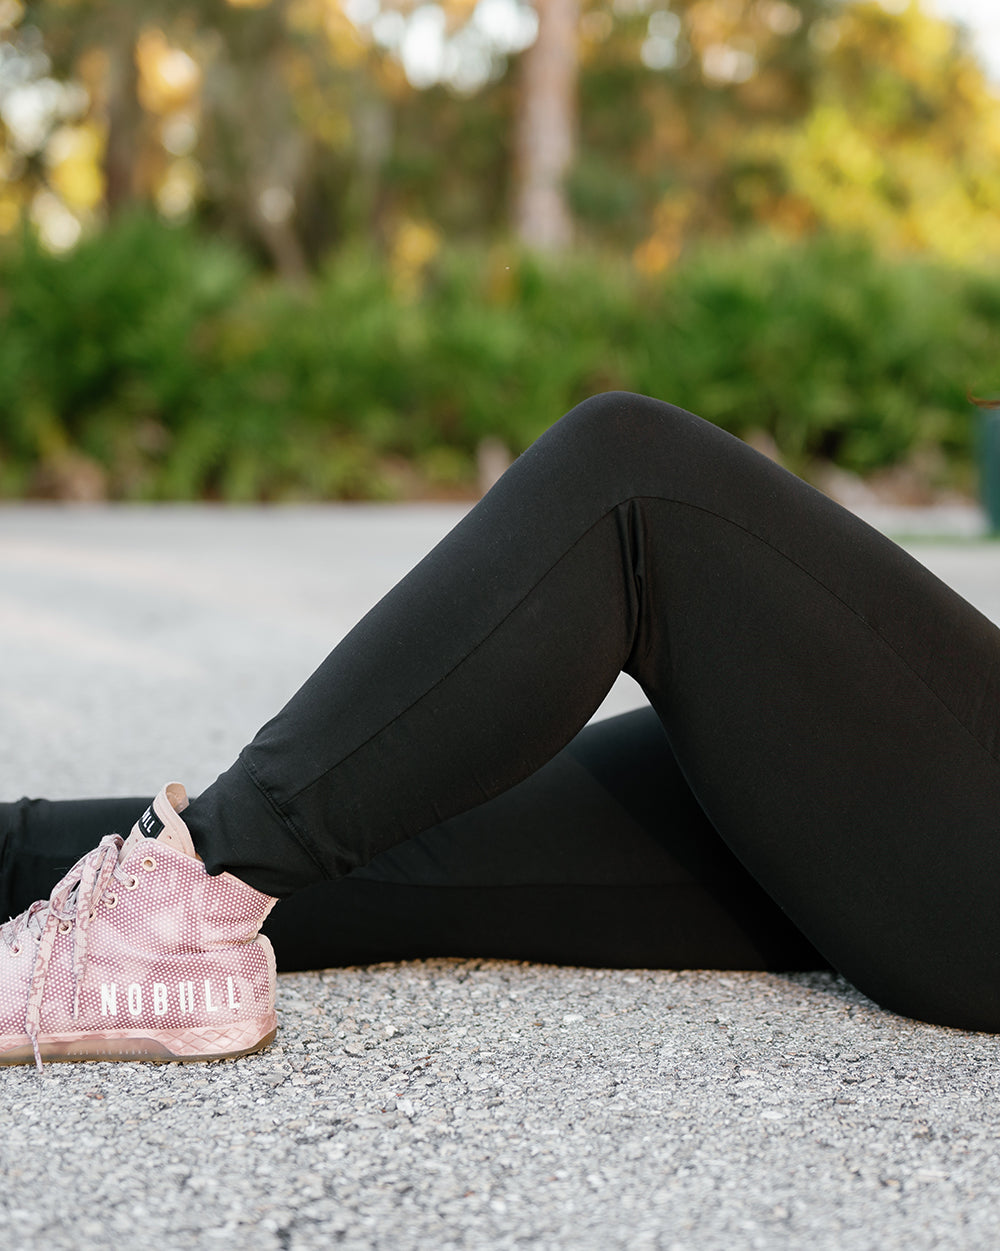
<point>439,1104</point>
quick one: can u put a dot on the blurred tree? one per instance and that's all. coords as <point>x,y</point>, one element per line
<point>671,93</point>
<point>853,117</point>
<point>901,143</point>
<point>545,141</point>
<point>292,125</point>
<point>233,106</point>
<point>115,31</point>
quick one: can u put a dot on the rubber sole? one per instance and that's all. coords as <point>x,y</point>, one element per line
<point>189,1046</point>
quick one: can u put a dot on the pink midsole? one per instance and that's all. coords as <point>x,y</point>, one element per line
<point>208,1042</point>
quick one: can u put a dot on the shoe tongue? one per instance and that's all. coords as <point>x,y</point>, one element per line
<point>161,821</point>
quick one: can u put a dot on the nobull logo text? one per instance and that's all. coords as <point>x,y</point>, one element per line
<point>159,998</point>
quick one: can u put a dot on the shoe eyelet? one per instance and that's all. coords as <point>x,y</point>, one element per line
<point>132,882</point>
<point>15,950</point>
<point>149,864</point>
<point>64,927</point>
<point>111,901</point>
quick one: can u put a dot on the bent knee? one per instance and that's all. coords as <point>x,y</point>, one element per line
<point>622,431</point>
<point>626,421</point>
<point>626,409</point>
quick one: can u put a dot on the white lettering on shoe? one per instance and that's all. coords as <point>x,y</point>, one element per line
<point>159,996</point>
<point>150,823</point>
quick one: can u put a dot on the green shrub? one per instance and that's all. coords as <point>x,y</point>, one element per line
<point>105,350</point>
<point>160,360</point>
<point>833,351</point>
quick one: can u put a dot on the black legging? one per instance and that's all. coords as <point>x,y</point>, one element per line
<point>602,857</point>
<point>832,705</point>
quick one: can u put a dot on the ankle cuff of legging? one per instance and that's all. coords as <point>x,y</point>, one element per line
<point>237,829</point>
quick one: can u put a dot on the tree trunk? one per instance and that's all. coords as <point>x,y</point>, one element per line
<point>546,128</point>
<point>284,248</point>
<point>123,116</point>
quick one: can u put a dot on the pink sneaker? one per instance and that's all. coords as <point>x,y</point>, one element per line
<point>139,954</point>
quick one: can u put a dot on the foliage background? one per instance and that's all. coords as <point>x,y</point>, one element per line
<point>248,252</point>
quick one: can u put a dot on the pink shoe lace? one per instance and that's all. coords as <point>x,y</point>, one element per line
<point>71,905</point>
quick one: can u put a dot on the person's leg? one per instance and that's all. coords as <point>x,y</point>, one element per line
<point>602,857</point>
<point>832,704</point>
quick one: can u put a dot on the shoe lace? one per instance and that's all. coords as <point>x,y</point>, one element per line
<point>71,905</point>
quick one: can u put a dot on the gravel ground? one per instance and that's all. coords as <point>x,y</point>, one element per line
<point>447,1103</point>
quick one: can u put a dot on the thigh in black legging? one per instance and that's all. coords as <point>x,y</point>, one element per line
<point>836,711</point>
